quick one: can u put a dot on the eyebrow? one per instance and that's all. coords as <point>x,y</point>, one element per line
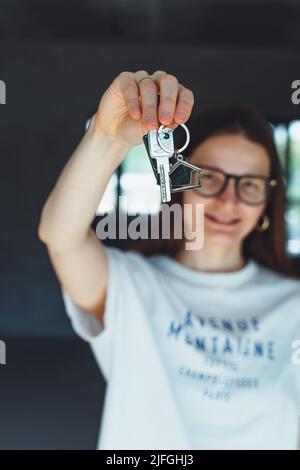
<point>212,167</point>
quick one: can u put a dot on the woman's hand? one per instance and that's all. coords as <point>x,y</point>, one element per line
<point>129,107</point>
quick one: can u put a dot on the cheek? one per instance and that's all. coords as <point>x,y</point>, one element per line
<point>189,197</point>
<point>250,217</point>
<point>194,214</point>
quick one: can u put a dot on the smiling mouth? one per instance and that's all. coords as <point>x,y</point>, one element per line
<point>223,221</point>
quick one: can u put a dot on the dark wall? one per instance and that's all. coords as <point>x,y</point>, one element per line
<point>51,392</point>
<point>51,90</point>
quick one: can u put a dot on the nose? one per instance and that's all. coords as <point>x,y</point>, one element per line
<point>229,193</point>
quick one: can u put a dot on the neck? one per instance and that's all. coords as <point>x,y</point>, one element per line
<point>214,258</point>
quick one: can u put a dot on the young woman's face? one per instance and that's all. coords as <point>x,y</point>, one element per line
<point>234,154</point>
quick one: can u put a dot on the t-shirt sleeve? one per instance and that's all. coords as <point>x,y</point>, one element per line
<point>86,325</point>
<point>124,270</point>
<point>293,306</point>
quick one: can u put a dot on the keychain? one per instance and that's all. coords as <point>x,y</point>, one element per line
<point>172,172</point>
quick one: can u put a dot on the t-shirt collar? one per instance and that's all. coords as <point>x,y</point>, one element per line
<point>223,279</point>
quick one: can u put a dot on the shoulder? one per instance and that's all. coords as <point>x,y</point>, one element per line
<point>278,280</point>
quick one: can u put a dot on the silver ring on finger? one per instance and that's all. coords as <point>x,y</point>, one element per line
<point>144,78</point>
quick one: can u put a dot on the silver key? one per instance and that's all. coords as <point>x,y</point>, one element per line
<point>162,157</point>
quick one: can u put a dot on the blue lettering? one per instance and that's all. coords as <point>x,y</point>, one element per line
<point>258,349</point>
<point>227,346</point>
<point>227,325</point>
<point>242,325</point>
<point>174,330</point>
<point>214,344</point>
<point>270,350</point>
<point>213,323</point>
<point>200,344</point>
<point>188,319</point>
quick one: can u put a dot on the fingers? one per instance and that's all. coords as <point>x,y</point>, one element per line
<point>130,93</point>
<point>148,99</point>
<point>185,103</point>
<point>141,98</point>
<point>176,101</point>
<point>168,86</point>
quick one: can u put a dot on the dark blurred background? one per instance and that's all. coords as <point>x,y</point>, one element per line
<point>57,58</point>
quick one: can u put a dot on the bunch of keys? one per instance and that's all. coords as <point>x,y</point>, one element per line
<point>171,171</point>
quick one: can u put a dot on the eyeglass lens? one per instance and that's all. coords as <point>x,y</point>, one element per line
<point>250,189</point>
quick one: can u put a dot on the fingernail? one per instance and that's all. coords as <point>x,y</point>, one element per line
<point>166,115</point>
<point>179,116</point>
<point>166,119</point>
<point>151,122</point>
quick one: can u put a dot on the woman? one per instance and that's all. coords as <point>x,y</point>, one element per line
<point>196,346</point>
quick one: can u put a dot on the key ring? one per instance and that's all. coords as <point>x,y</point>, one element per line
<point>172,130</point>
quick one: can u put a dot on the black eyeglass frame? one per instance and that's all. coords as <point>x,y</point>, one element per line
<point>271,182</point>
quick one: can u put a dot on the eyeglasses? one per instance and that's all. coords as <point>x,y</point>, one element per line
<point>250,189</point>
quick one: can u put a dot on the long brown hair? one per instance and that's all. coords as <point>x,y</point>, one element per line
<point>268,248</point>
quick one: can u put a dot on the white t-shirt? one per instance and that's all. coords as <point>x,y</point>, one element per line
<point>195,360</point>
